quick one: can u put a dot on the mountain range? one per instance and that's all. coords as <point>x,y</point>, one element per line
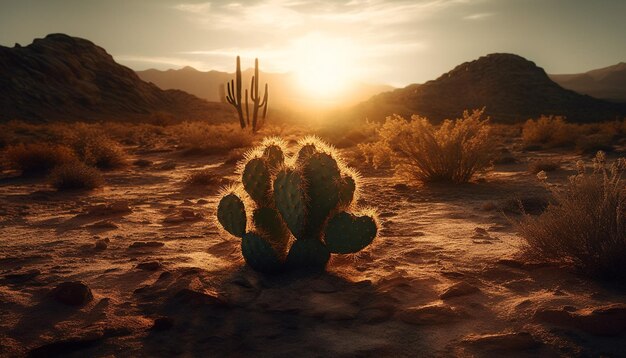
<point>285,90</point>
<point>61,77</point>
<point>606,83</point>
<point>510,87</point>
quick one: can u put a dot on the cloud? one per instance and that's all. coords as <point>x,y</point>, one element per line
<point>479,16</point>
<point>194,8</point>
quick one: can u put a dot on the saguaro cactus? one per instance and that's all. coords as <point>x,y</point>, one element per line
<point>234,98</point>
<point>299,208</point>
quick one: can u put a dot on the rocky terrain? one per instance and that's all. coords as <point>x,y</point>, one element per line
<point>607,83</point>
<point>140,268</point>
<point>67,78</point>
<point>511,88</point>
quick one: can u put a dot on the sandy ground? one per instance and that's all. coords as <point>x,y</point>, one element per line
<point>444,279</point>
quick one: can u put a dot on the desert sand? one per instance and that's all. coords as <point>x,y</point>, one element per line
<point>445,277</point>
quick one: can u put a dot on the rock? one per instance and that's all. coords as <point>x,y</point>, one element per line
<point>162,324</point>
<point>73,293</point>
<point>459,289</point>
<point>146,244</point>
<point>116,208</point>
<point>149,266</point>
<point>431,314</point>
<point>102,244</point>
<point>514,341</point>
<point>609,320</point>
<point>104,224</point>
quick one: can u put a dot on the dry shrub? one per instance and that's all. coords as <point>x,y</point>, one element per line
<point>202,177</point>
<point>549,132</point>
<point>38,158</point>
<point>97,149</point>
<point>593,143</point>
<point>75,176</point>
<point>204,138</point>
<point>454,152</point>
<point>349,134</point>
<point>585,224</point>
<point>545,165</point>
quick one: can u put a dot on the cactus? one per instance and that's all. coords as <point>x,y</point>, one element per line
<point>231,214</point>
<point>299,208</point>
<point>234,88</point>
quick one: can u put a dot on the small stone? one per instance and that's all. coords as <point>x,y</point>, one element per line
<point>73,293</point>
<point>101,244</point>
<point>430,314</point>
<point>516,341</point>
<point>149,266</point>
<point>146,244</point>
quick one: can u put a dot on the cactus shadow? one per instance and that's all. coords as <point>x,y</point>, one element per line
<point>260,314</point>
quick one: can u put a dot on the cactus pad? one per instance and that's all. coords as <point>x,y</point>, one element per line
<point>268,222</point>
<point>308,255</point>
<point>322,174</point>
<point>259,254</point>
<point>346,233</point>
<point>274,156</point>
<point>346,187</point>
<point>256,180</point>
<point>290,201</point>
<point>231,213</point>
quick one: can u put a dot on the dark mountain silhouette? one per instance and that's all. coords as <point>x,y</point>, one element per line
<point>285,91</point>
<point>607,83</point>
<point>509,86</point>
<point>67,78</point>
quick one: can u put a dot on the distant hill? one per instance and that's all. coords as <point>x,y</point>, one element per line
<point>285,92</point>
<point>607,83</point>
<point>509,86</point>
<point>61,77</point>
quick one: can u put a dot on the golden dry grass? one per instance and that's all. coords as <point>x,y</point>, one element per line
<point>452,152</point>
<point>37,158</point>
<point>585,224</point>
<point>75,176</point>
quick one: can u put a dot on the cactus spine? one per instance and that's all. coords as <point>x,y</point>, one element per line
<point>234,98</point>
<point>299,208</point>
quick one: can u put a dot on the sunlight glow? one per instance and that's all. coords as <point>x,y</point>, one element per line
<point>323,65</point>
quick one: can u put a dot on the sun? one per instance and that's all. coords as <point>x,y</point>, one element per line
<point>322,65</point>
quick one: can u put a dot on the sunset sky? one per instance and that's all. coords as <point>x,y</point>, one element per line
<point>393,42</point>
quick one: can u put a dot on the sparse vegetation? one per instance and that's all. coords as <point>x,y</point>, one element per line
<point>38,158</point>
<point>453,152</point>
<point>555,132</point>
<point>75,176</point>
<point>548,132</point>
<point>202,177</point>
<point>204,138</point>
<point>585,225</point>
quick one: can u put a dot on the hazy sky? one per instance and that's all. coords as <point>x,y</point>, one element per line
<point>396,42</point>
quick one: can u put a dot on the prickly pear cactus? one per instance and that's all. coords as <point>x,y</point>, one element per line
<point>298,208</point>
